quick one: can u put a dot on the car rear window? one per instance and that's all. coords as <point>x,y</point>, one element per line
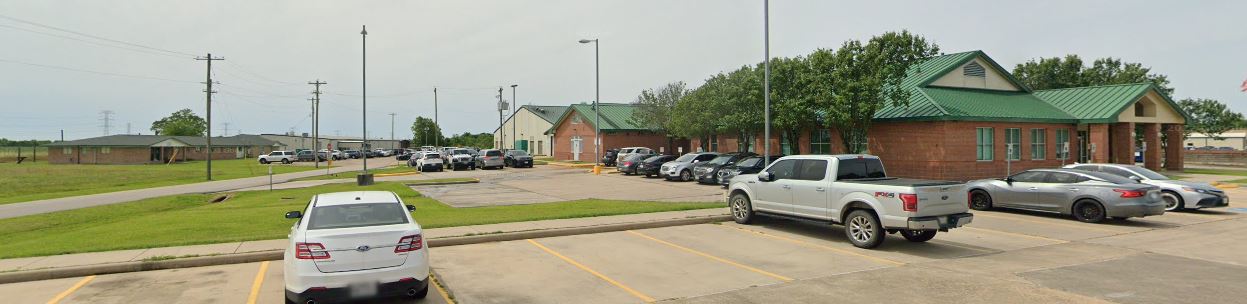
<point>356,215</point>
<point>859,168</point>
<point>432,155</point>
<point>520,153</point>
<point>493,153</point>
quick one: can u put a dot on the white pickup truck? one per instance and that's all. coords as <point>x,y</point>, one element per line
<point>852,190</point>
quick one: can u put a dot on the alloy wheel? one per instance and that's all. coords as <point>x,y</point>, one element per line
<point>738,207</point>
<point>861,229</point>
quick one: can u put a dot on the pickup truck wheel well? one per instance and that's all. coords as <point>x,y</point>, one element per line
<point>855,205</point>
<point>738,191</point>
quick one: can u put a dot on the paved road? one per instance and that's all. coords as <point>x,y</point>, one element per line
<point>544,184</point>
<point>75,202</point>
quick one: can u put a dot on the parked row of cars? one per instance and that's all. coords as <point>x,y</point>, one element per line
<point>453,158</point>
<point>304,155</point>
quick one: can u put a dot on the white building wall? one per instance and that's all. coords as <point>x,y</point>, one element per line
<point>525,125</point>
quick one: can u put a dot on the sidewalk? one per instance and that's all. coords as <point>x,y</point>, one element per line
<point>136,255</point>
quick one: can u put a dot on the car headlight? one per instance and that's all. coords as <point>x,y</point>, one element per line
<point>1196,190</point>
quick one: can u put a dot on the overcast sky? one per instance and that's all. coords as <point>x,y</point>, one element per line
<point>470,48</point>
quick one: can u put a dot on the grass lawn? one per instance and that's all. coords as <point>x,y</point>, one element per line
<point>28,182</point>
<point>1232,172</point>
<point>352,174</point>
<point>255,215</point>
<point>1238,181</point>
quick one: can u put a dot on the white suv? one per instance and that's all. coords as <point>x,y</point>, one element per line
<point>355,245</point>
<point>284,157</point>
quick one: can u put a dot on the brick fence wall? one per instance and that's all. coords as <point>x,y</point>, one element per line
<point>1216,158</point>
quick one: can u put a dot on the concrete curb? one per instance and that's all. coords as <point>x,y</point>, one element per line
<point>567,165</point>
<point>473,181</point>
<point>274,255</point>
<point>397,174</point>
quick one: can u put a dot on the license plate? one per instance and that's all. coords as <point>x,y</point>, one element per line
<point>363,289</point>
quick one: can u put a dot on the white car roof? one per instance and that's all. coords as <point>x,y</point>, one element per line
<point>828,157</point>
<point>355,197</point>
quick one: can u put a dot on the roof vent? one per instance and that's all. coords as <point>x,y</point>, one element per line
<point>974,69</point>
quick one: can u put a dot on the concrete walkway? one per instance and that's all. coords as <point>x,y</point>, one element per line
<point>108,257</point>
<point>83,201</point>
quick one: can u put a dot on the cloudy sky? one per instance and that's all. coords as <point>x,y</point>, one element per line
<point>52,79</point>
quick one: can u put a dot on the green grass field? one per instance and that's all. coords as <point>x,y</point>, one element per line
<point>255,215</point>
<point>36,181</point>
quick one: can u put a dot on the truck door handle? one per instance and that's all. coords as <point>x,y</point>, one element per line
<point>787,187</point>
<point>1033,188</point>
<point>820,189</point>
<point>1073,189</point>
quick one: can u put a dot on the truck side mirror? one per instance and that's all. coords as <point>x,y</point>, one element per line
<point>1009,180</point>
<point>294,215</point>
<point>766,176</point>
<point>411,208</point>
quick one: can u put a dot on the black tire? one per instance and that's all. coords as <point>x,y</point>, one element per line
<point>263,161</point>
<point>980,200</point>
<point>1088,211</point>
<point>686,176</point>
<point>285,161</point>
<point>863,229</point>
<point>918,236</point>
<point>742,208</point>
<point>422,293</point>
<point>1173,201</point>
<point>647,175</point>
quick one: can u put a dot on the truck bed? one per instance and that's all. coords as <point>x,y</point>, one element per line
<point>904,182</point>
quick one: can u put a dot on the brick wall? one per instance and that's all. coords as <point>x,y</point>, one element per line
<point>1097,134</point>
<point>947,150</point>
<point>1174,154</point>
<point>1122,137</point>
<point>98,155</point>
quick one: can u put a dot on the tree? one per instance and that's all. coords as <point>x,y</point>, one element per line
<point>1210,117</point>
<point>1069,72</point>
<point>181,123</point>
<point>471,140</point>
<point>425,132</point>
<point>863,79</point>
<point>655,107</point>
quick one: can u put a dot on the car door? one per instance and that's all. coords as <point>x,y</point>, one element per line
<point>1021,192</point>
<point>1057,190</point>
<point>774,195</point>
<point>809,189</point>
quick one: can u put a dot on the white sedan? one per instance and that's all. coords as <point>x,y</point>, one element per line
<point>355,245</point>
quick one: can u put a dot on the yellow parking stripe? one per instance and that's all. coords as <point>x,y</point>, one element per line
<point>833,249</point>
<point>721,260</point>
<point>1015,234</point>
<point>634,293</point>
<point>438,285</point>
<point>1077,226</point>
<point>259,281</point>
<point>71,290</point>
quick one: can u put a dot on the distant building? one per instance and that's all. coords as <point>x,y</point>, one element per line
<point>304,142</point>
<point>142,149</point>
<point>1236,139</point>
<point>573,133</point>
<point>526,129</point>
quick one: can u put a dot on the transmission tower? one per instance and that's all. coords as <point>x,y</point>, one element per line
<point>107,119</point>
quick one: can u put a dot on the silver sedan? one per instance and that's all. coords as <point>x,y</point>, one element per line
<point>1088,196</point>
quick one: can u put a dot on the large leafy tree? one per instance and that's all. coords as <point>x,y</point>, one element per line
<point>655,107</point>
<point>792,107</point>
<point>466,139</point>
<point>425,132</point>
<point>181,123</point>
<point>1210,117</point>
<point>1070,71</point>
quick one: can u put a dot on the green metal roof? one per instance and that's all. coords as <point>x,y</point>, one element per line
<point>615,116</point>
<point>940,103</point>
<point>1102,104</point>
<point>550,114</point>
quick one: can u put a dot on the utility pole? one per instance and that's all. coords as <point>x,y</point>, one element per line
<point>316,122</point>
<point>108,119</point>
<point>62,134</point>
<point>208,91</point>
<point>392,130</point>
<point>363,33</point>
<point>501,107</point>
<point>436,139</point>
<point>516,110</point>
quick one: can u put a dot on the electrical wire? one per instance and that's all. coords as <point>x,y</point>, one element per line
<point>95,37</point>
<point>95,72</point>
<point>95,43</point>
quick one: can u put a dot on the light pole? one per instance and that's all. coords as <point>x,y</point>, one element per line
<point>364,88</point>
<point>514,110</point>
<point>766,81</point>
<point>597,94</point>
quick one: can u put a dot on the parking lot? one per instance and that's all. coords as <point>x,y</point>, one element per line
<point>543,184</point>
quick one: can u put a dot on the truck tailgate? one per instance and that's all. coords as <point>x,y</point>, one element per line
<point>941,200</point>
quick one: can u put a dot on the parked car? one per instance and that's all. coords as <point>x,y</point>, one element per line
<point>852,190</point>
<point>750,165</point>
<point>651,165</point>
<point>353,154</point>
<point>681,168</point>
<point>1088,196</point>
<point>1176,194</point>
<point>284,157</point>
<point>429,162</point>
<point>461,158</point>
<point>610,158</point>
<point>405,155</point>
<point>491,158</point>
<point>308,156</point>
<point>629,164</point>
<point>351,245</point>
<point>624,152</point>
<point>707,172</point>
<point>517,159</point>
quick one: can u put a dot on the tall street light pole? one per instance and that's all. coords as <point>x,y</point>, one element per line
<point>766,80</point>
<point>515,110</point>
<point>597,95</point>
<point>437,140</point>
<point>364,88</point>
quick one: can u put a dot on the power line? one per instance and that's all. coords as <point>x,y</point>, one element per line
<point>94,72</point>
<point>93,42</point>
<point>96,37</point>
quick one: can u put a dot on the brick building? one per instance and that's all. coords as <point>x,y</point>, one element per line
<point>966,112</point>
<point>573,132</point>
<point>143,149</point>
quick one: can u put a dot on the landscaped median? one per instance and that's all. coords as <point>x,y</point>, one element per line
<point>256,215</point>
<point>382,172</point>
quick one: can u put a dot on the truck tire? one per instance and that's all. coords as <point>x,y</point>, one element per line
<point>980,200</point>
<point>863,229</point>
<point>742,208</point>
<point>918,236</point>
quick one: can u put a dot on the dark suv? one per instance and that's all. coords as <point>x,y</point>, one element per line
<point>651,165</point>
<point>518,159</point>
<point>708,172</point>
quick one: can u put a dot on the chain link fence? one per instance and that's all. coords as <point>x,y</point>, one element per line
<point>10,154</point>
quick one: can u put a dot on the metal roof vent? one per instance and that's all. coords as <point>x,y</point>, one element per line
<point>974,69</point>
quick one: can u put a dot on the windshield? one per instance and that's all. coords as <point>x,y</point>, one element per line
<point>722,159</point>
<point>1149,174</point>
<point>1109,177</point>
<point>462,151</point>
<point>356,215</point>
<point>686,158</point>
<point>749,162</point>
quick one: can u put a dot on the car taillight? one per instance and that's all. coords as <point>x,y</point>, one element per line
<point>409,243</point>
<point>310,251</point>
<point>627,164</point>
<point>1130,193</point>
<point>909,202</point>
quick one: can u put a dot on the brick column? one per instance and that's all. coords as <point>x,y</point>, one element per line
<point>1173,150</point>
<point>1121,136</point>
<point>1098,135</point>
<point>1151,138</point>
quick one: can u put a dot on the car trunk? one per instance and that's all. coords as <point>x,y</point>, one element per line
<point>347,250</point>
<point>941,200</point>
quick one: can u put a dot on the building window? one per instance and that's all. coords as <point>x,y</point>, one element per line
<point>785,143</point>
<point>105,150</point>
<point>983,141</point>
<point>67,150</point>
<point>820,141</point>
<point>744,144</point>
<point>1062,144</point>
<point>714,143</point>
<point>1039,144</point>
<point>1013,143</point>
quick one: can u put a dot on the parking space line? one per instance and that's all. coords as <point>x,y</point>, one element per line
<point>634,293</point>
<point>259,281</point>
<point>1076,226</point>
<point>441,291</point>
<point>954,244</point>
<point>833,249</point>
<point>67,292</point>
<point>706,255</point>
<point>1015,234</point>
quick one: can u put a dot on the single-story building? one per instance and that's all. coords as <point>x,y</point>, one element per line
<point>143,149</point>
<point>968,118</point>
<point>576,125</point>
<point>304,141</point>
<point>1236,139</point>
<point>526,129</point>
